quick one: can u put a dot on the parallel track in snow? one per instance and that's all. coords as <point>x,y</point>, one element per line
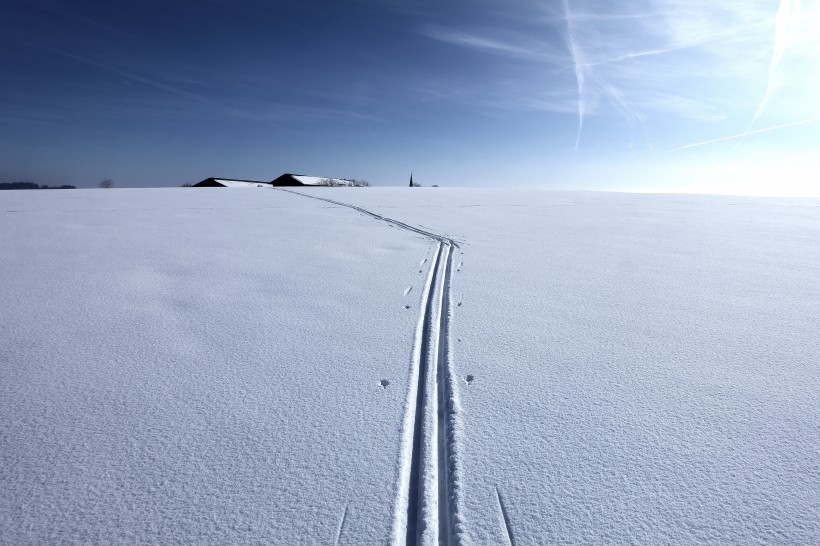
<point>428,503</point>
<point>431,501</point>
<point>376,216</point>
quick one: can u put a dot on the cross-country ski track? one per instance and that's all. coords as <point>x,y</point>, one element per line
<point>428,503</point>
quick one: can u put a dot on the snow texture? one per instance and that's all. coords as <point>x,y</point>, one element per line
<point>206,366</point>
<point>200,366</point>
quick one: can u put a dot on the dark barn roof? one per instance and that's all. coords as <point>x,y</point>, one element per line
<point>287,179</point>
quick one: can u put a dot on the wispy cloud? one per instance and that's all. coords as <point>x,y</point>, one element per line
<point>627,109</point>
<point>500,97</point>
<point>690,59</point>
<point>747,133</point>
<point>686,64</point>
<point>620,56</point>
<point>788,12</point>
<point>494,45</point>
<point>134,77</point>
<point>659,51</point>
<point>61,11</point>
<point>265,111</point>
<point>579,64</point>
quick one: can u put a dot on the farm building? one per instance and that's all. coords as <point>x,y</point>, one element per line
<point>288,179</point>
<point>230,183</point>
<point>284,180</point>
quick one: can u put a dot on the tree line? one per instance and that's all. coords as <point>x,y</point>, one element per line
<point>32,186</point>
<point>344,182</point>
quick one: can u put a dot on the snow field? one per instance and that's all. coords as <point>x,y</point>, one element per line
<point>478,366</point>
<point>201,366</point>
<point>644,366</point>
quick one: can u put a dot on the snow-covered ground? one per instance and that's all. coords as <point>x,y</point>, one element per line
<point>254,366</point>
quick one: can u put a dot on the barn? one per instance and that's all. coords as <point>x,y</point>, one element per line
<point>288,179</point>
<point>231,183</point>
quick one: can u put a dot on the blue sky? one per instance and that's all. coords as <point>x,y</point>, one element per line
<point>647,95</point>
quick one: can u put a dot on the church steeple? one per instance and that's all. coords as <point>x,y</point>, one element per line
<point>411,179</point>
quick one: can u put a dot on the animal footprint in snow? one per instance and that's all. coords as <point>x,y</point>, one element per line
<point>424,261</point>
<point>407,290</point>
<point>469,379</point>
<point>458,267</point>
<point>460,301</point>
<point>407,307</point>
<point>384,383</point>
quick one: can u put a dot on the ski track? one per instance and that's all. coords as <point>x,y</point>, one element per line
<point>341,525</point>
<point>505,517</point>
<point>428,502</point>
<point>432,513</point>
<point>394,223</point>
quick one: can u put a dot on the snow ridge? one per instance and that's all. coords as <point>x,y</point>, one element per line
<point>428,502</point>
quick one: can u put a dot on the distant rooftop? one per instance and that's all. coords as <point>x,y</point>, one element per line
<point>231,183</point>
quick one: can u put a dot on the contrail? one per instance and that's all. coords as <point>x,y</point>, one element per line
<point>622,104</point>
<point>153,83</point>
<point>741,135</point>
<point>579,70</point>
<point>788,11</point>
<point>659,51</point>
<point>140,79</point>
<point>483,43</point>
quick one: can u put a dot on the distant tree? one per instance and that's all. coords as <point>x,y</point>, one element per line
<point>186,185</point>
<point>107,183</point>
<point>434,186</point>
<point>346,182</point>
